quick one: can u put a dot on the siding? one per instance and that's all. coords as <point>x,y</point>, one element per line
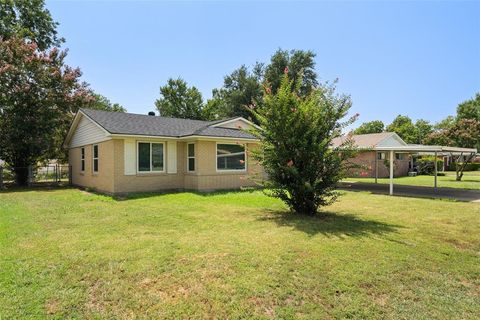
<point>86,133</point>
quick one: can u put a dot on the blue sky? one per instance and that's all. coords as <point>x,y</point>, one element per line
<point>415,58</point>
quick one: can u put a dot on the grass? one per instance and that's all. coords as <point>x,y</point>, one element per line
<point>70,254</point>
<point>470,180</point>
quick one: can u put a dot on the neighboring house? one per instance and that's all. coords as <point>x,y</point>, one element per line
<point>117,152</point>
<point>372,153</point>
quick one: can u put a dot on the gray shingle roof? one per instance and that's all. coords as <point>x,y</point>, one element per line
<point>145,125</point>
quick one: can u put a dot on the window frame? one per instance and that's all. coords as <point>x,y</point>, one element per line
<point>380,154</point>
<point>93,158</point>
<point>82,159</point>
<point>151,167</point>
<point>191,157</point>
<point>231,170</point>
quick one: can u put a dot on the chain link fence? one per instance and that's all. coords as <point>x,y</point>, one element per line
<point>52,174</point>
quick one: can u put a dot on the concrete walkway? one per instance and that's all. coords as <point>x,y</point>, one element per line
<point>415,191</point>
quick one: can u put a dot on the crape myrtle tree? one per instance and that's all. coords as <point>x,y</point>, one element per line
<point>37,93</point>
<point>296,134</point>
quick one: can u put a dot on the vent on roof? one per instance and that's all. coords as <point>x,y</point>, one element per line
<point>151,113</point>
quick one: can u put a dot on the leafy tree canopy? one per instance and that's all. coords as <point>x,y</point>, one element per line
<point>244,87</point>
<point>241,88</point>
<point>404,127</point>
<point>375,126</point>
<point>178,100</point>
<point>423,128</point>
<point>38,95</point>
<point>469,109</point>
<point>300,65</point>
<point>29,20</point>
<point>100,102</point>
<point>295,139</point>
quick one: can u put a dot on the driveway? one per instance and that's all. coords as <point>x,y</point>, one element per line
<point>414,191</point>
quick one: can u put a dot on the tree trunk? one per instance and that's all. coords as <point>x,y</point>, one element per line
<point>21,176</point>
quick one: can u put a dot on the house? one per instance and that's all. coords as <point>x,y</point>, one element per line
<point>373,153</point>
<point>115,152</point>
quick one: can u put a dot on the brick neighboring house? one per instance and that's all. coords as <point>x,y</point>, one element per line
<point>117,152</point>
<point>368,157</point>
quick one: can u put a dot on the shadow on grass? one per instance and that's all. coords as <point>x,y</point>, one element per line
<point>329,224</point>
<point>37,187</point>
<point>142,195</point>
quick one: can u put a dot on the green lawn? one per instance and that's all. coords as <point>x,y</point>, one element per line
<point>470,180</point>
<point>70,254</point>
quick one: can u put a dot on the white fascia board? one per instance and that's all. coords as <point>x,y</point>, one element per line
<point>185,138</point>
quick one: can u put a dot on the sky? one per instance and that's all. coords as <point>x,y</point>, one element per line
<point>416,58</point>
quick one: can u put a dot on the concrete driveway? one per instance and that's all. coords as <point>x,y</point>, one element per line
<point>415,191</point>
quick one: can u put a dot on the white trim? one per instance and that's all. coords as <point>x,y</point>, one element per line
<point>151,167</point>
<point>230,170</point>
<point>206,138</point>
<point>190,157</point>
<point>82,159</point>
<point>235,119</point>
<point>93,158</point>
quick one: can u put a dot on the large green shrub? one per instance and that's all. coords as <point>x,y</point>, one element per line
<point>426,165</point>
<point>295,144</point>
<point>469,167</point>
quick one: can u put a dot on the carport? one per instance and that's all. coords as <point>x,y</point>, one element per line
<point>413,149</point>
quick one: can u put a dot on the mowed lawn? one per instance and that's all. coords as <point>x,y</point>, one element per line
<point>470,180</point>
<point>66,253</point>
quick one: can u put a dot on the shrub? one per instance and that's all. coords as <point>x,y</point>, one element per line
<point>469,167</point>
<point>295,144</point>
<point>426,165</point>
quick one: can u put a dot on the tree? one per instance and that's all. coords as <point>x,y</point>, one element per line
<point>469,109</point>
<point>180,101</point>
<point>300,65</point>
<point>38,95</point>
<point>445,124</point>
<point>422,129</point>
<point>295,144</point>
<point>102,103</point>
<point>375,126</point>
<point>404,127</point>
<point>463,133</point>
<point>244,87</point>
<point>240,89</point>
<point>28,20</point>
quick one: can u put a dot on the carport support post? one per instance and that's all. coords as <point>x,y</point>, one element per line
<point>391,171</point>
<point>376,167</point>
<point>436,170</point>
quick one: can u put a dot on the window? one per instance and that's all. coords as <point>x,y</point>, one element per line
<point>191,157</point>
<point>95,158</point>
<point>399,156</point>
<point>382,156</point>
<point>230,157</point>
<point>150,157</point>
<point>82,161</point>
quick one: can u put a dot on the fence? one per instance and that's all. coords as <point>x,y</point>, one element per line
<point>53,174</point>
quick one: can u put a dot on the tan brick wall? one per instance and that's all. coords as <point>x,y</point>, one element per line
<point>145,182</point>
<point>112,179</point>
<point>208,178</point>
<point>367,162</point>
<point>101,181</point>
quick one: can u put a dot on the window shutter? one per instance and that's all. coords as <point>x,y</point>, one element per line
<point>130,157</point>
<point>171,157</point>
